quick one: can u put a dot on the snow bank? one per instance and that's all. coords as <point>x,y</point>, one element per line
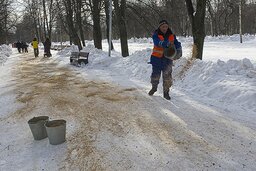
<point>232,82</point>
<point>5,52</point>
<point>67,51</point>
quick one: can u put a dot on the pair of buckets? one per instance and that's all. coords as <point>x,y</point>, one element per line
<point>41,127</point>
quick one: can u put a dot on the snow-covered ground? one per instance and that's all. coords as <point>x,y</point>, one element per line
<point>225,80</point>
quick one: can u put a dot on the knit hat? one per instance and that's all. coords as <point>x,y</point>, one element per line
<point>162,22</point>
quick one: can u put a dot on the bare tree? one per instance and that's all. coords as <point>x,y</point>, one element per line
<point>142,17</point>
<point>78,15</point>
<point>70,22</point>
<point>3,20</point>
<point>24,31</point>
<point>49,16</point>
<point>106,3</point>
<point>95,6</point>
<point>32,8</point>
<point>139,18</point>
<point>249,22</point>
<point>173,10</point>
<point>198,27</point>
<point>120,17</point>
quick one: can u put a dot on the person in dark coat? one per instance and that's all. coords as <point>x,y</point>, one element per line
<point>47,47</point>
<point>163,38</point>
<point>24,47</point>
<point>19,46</point>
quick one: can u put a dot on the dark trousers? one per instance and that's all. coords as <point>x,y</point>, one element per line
<point>36,52</point>
<point>161,66</point>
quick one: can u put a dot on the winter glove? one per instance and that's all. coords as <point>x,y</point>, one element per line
<point>168,44</point>
<point>164,44</point>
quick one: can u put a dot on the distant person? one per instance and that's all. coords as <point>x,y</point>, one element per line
<point>24,47</point>
<point>47,47</point>
<point>163,39</point>
<point>35,47</point>
<point>18,45</point>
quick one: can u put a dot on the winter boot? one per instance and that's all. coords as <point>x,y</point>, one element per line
<point>152,91</point>
<point>167,96</point>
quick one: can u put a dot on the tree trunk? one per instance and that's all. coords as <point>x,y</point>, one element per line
<point>45,22</point>
<point>107,21</point>
<point>79,20</point>
<point>120,14</point>
<point>72,31</point>
<point>36,29</point>
<point>198,28</point>
<point>40,38</point>
<point>123,38</point>
<point>97,35</point>
<point>240,22</point>
<point>50,20</point>
<point>210,10</point>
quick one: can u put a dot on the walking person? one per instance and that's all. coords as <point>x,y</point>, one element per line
<point>164,40</point>
<point>18,45</point>
<point>47,47</point>
<point>35,47</point>
<point>24,46</point>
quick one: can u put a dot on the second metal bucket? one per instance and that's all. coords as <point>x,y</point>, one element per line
<point>56,131</point>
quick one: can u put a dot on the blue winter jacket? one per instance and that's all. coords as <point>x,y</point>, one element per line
<point>160,62</point>
<point>165,43</point>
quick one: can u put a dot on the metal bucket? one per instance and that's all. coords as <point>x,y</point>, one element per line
<point>37,127</point>
<point>170,52</point>
<point>56,131</point>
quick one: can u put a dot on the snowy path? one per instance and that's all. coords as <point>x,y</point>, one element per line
<point>114,128</point>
